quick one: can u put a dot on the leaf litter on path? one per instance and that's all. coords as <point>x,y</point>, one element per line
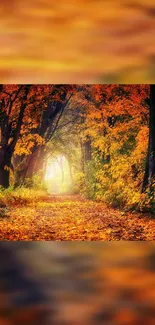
<point>72,217</point>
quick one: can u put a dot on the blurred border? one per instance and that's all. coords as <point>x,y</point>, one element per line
<point>89,41</point>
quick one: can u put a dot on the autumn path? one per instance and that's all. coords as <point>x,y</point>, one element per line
<point>74,218</point>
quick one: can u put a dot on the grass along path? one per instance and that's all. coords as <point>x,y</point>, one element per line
<point>71,217</point>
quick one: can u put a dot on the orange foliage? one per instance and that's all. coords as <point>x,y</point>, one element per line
<point>34,215</point>
<point>117,124</point>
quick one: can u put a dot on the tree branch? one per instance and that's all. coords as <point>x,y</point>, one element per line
<point>50,132</point>
<point>20,119</point>
<point>14,99</point>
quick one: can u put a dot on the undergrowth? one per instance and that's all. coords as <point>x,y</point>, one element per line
<point>21,196</point>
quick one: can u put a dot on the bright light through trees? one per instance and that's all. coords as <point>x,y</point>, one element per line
<point>57,176</point>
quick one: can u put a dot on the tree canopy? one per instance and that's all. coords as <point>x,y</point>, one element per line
<point>102,130</point>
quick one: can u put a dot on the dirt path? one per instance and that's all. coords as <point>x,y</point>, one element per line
<point>74,218</point>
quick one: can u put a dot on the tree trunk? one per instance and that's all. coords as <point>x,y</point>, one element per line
<point>21,165</point>
<point>4,177</point>
<point>5,162</point>
<point>31,167</point>
<point>28,166</point>
<point>38,162</point>
<point>82,156</point>
<point>150,161</point>
<point>87,146</point>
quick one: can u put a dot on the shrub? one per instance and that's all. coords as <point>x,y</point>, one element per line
<point>22,196</point>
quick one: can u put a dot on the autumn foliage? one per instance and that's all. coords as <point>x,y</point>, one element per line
<point>116,123</point>
<point>114,136</point>
<point>101,130</point>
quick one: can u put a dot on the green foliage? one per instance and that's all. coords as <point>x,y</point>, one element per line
<point>21,196</point>
<point>117,182</point>
<point>85,183</point>
<point>90,173</point>
<point>79,185</point>
<point>36,182</point>
<point>3,205</point>
<point>117,126</point>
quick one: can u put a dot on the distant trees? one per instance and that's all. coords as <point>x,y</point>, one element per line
<point>28,165</point>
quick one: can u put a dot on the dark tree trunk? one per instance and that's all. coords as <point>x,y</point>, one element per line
<point>4,178</point>
<point>146,173</point>
<point>150,161</point>
<point>5,163</point>
<point>9,137</point>
<point>21,165</point>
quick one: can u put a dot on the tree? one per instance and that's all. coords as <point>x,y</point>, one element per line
<point>65,140</point>
<point>13,102</point>
<point>150,160</point>
<point>116,120</point>
<point>21,109</point>
<point>28,114</point>
<point>29,164</point>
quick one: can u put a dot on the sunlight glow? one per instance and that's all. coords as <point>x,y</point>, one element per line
<point>53,170</point>
<point>57,176</point>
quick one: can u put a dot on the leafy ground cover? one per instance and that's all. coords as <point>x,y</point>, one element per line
<point>69,217</point>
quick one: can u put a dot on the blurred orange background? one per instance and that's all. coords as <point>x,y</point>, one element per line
<point>68,41</point>
<point>83,283</point>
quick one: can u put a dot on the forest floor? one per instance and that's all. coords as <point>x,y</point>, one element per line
<point>72,217</point>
